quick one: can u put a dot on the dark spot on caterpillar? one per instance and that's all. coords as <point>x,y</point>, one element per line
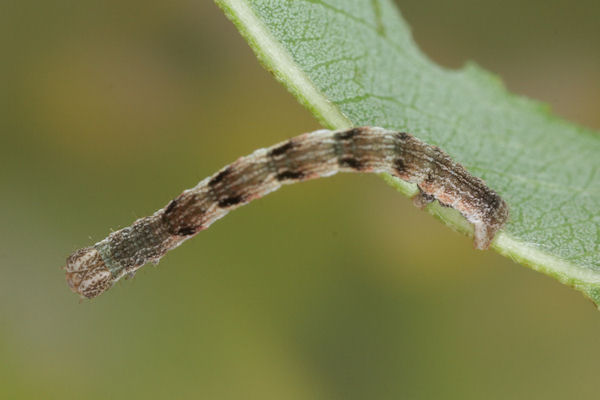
<point>421,199</point>
<point>346,135</point>
<point>187,230</point>
<point>403,136</point>
<point>230,201</point>
<point>350,162</point>
<point>289,175</point>
<point>284,148</point>
<point>430,178</point>
<point>399,166</point>
<point>171,206</point>
<point>493,200</point>
<point>219,177</point>
<point>494,203</point>
<point>426,196</point>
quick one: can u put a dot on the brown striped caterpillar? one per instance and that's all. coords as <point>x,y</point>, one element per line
<point>93,270</point>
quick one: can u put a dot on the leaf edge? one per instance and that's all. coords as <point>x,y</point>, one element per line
<point>275,59</point>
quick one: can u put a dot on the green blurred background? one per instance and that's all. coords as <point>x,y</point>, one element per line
<point>332,289</point>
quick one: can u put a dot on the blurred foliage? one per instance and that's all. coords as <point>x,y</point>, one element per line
<point>111,108</point>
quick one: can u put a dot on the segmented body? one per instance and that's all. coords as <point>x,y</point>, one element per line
<point>93,270</point>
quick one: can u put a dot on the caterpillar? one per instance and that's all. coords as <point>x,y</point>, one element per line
<point>91,271</point>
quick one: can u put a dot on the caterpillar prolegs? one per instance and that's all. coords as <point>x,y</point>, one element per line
<point>93,270</point>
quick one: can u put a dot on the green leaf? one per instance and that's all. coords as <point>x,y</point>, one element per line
<point>354,62</point>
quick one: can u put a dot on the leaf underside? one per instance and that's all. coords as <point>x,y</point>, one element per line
<point>355,63</point>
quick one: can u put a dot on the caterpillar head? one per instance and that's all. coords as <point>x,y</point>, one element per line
<point>87,274</point>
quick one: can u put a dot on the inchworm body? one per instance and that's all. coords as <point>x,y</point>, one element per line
<point>93,270</point>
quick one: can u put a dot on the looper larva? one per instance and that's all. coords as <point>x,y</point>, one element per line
<point>93,270</point>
